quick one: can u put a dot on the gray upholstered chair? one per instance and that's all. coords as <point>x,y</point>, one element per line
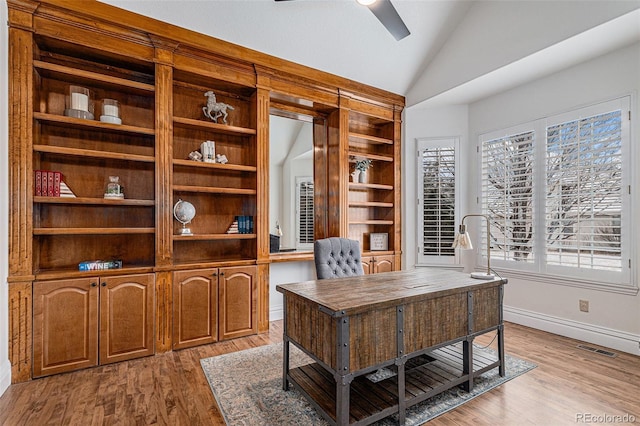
<point>337,257</point>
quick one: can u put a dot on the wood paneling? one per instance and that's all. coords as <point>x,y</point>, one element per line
<point>238,302</point>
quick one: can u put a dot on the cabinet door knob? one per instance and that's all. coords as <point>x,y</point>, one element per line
<point>94,284</point>
<point>215,274</point>
<point>221,273</point>
<point>104,284</point>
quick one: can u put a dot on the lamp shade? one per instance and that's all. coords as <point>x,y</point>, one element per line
<point>462,241</point>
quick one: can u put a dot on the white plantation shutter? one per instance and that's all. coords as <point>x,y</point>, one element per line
<point>304,212</point>
<point>507,194</point>
<point>558,195</point>
<point>437,213</point>
<point>584,192</point>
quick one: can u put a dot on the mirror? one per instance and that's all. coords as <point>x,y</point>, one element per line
<point>291,183</point>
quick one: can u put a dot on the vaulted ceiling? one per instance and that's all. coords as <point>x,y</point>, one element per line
<point>458,50</point>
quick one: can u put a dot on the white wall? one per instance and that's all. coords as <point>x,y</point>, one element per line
<point>448,121</point>
<point>5,367</point>
<point>614,319</point>
<point>283,273</point>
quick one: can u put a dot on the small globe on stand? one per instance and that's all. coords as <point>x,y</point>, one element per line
<point>184,212</point>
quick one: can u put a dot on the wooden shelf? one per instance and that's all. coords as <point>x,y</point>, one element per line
<point>93,201</point>
<point>212,237</point>
<point>92,231</point>
<point>214,190</point>
<point>355,155</point>
<point>221,128</point>
<point>371,222</point>
<point>227,166</point>
<point>77,76</point>
<point>370,139</point>
<point>365,186</point>
<point>92,124</point>
<point>369,204</point>
<point>93,153</point>
<point>204,265</point>
<point>56,274</point>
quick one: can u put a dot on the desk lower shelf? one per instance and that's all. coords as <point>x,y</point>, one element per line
<point>425,376</point>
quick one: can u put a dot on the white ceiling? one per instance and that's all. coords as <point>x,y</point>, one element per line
<point>337,36</point>
<point>447,38</point>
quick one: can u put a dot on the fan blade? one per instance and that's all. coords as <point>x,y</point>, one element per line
<point>388,16</point>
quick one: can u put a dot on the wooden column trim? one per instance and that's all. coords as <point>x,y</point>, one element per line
<point>163,57</point>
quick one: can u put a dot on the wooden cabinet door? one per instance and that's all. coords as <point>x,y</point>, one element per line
<point>195,308</point>
<point>367,265</point>
<point>382,264</point>
<point>65,325</point>
<point>126,317</point>
<point>238,300</point>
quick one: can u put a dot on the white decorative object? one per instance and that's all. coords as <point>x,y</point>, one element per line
<point>78,103</point>
<point>222,159</point>
<point>214,109</point>
<point>195,156</point>
<point>110,111</point>
<point>184,212</point>
<point>208,150</point>
<point>355,175</point>
<point>362,178</point>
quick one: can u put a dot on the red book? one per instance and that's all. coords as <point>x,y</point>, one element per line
<point>38,183</point>
<point>57,178</point>
<point>49,184</point>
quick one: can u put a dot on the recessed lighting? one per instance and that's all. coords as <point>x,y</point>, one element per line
<point>366,2</point>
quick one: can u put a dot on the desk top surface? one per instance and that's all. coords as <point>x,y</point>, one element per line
<point>346,296</point>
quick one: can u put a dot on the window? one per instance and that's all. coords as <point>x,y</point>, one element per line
<point>437,161</point>
<point>304,212</point>
<point>558,196</point>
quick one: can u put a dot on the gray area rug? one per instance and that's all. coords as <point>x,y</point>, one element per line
<point>247,386</point>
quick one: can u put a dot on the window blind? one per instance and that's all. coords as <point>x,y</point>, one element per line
<point>438,200</point>
<point>305,212</point>
<point>584,200</point>
<point>507,194</point>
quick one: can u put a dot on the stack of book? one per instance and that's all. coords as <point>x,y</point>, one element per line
<point>50,184</point>
<point>241,225</point>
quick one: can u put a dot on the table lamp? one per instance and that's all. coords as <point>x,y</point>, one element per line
<point>463,241</point>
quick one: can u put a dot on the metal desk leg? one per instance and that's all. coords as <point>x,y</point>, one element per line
<point>285,363</point>
<point>342,402</point>
<point>467,363</point>
<point>501,349</point>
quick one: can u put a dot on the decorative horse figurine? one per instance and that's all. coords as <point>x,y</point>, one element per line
<point>219,109</point>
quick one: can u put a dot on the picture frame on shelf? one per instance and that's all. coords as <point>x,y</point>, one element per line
<point>379,241</point>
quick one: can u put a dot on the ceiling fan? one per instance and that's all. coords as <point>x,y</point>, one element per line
<point>387,15</point>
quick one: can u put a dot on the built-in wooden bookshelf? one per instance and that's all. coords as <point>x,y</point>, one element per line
<point>171,286</point>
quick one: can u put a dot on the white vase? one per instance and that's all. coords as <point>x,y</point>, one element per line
<point>355,176</point>
<point>363,177</point>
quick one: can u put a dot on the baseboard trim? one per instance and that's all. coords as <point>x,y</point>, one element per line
<point>5,376</point>
<point>276,314</point>
<point>607,337</point>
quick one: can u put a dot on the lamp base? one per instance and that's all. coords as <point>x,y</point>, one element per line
<point>482,276</point>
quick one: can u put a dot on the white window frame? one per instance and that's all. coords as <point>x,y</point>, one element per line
<point>299,245</point>
<point>622,282</point>
<point>423,144</point>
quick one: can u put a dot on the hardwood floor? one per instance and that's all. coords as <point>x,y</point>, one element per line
<point>170,389</point>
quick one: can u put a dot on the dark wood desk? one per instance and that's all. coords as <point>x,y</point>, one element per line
<point>411,322</point>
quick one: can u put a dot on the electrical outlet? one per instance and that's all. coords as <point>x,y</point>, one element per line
<point>584,306</point>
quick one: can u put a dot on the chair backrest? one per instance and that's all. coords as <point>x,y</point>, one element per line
<point>337,257</point>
